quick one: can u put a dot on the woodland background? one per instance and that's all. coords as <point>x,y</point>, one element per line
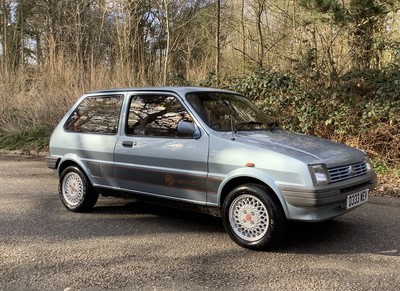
<point>324,67</point>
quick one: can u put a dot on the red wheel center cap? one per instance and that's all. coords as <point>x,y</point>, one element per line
<point>248,217</point>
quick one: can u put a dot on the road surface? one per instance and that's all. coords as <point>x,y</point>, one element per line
<point>132,245</point>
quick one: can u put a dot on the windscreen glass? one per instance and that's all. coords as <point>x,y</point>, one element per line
<point>226,112</point>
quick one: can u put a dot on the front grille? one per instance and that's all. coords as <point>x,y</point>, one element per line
<point>347,172</point>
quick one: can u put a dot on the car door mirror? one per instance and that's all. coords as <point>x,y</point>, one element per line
<point>187,127</point>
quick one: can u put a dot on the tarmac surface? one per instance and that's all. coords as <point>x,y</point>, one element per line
<point>133,245</point>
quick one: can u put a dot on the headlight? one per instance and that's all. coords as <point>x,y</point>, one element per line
<point>368,164</point>
<point>319,174</point>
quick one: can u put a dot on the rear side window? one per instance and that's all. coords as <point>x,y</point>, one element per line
<point>97,114</point>
<point>156,115</point>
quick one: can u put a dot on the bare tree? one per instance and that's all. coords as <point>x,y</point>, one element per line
<point>168,41</point>
<point>259,10</point>
<point>4,43</point>
<point>217,41</point>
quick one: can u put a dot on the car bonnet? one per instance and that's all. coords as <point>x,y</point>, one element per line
<point>309,149</point>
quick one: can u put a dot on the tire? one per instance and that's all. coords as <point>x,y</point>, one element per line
<point>75,191</point>
<point>252,217</point>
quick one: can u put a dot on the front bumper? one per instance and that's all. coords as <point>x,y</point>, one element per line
<point>328,194</point>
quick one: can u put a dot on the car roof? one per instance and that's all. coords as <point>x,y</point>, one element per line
<point>179,90</point>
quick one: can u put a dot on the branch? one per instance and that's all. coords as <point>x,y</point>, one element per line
<point>244,53</point>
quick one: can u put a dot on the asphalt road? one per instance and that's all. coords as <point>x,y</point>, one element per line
<point>134,245</point>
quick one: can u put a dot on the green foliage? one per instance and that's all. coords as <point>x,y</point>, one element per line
<point>362,106</point>
<point>364,21</point>
<point>281,96</point>
<point>376,91</point>
<point>36,138</point>
<point>209,81</point>
<point>322,6</point>
<point>382,167</point>
<point>260,83</point>
<point>178,80</point>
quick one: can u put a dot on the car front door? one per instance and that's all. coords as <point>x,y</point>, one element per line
<point>152,157</point>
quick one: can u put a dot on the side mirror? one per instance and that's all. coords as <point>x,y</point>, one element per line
<point>187,127</point>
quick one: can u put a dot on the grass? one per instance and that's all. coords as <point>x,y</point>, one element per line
<point>382,167</point>
<point>36,138</point>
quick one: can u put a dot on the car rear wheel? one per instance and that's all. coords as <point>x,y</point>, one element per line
<point>75,191</point>
<point>252,218</point>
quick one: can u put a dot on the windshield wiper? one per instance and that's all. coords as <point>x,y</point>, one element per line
<point>272,125</point>
<point>243,124</point>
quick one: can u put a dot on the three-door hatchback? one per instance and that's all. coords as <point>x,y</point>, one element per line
<point>209,147</point>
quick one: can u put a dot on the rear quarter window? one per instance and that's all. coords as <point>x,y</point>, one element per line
<point>96,114</point>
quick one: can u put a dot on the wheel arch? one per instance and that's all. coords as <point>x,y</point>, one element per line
<point>72,161</point>
<point>273,190</point>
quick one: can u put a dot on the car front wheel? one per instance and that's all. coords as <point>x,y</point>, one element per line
<point>252,218</point>
<point>75,191</point>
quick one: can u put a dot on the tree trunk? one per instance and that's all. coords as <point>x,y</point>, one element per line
<point>168,45</point>
<point>243,37</point>
<point>260,11</point>
<point>217,41</point>
<point>4,44</point>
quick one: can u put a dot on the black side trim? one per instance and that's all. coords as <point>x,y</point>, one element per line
<point>52,162</point>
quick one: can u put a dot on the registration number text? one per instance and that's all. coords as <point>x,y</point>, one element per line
<point>357,198</point>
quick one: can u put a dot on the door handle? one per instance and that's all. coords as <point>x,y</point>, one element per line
<point>127,143</point>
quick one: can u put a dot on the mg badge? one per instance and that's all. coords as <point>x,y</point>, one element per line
<point>352,170</point>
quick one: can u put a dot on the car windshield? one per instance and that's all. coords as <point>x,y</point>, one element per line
<point>226,111</point>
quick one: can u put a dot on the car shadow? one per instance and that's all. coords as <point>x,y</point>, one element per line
<point>188,215</point>
<point>339,236</point>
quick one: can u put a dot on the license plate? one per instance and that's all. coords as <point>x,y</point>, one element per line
<point>358,198</point>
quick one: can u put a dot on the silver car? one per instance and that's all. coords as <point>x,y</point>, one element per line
<point>208,147</point>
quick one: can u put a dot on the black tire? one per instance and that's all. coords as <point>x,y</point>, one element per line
<point>253,218</point>
<point>75,191</point>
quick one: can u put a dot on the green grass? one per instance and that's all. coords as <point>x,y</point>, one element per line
<point>383,167</point>
<point>380,166</point>
<point>388,174</point>
<point>397,173</point>
<point>36,138</point>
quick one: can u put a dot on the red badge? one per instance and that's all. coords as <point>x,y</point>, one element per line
<point>169,180</point>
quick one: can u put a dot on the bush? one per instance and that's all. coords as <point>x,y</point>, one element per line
<point>34,138</point>
<point>361,108</point>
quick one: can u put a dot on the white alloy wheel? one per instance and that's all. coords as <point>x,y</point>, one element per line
<point>249,218</point>
<point>75,190</point>
<point>72,188</point>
